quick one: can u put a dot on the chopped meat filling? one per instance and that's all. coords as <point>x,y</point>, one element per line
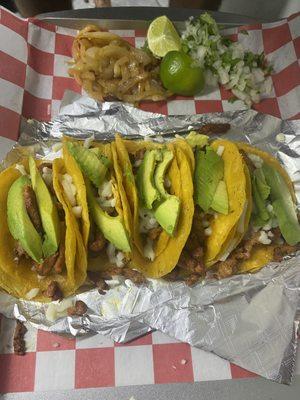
<point>283,250</point>
<point>19,253</point>
<point>128,273</point>
<point>45,268</point>
<point>18,341</point>
<point>154,233</point>
<point>60,261</point>
<point>98,243</point>
<point>209,129</point>
<point>53,291</point>
<point>80,308</point>
<point>192,262</point>
<point>32,208</point>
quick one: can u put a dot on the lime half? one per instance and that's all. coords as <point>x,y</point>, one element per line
<point>162,37</point>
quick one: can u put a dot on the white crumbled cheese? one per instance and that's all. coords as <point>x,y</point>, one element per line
<point>88,141</point>
<point>270,208</point>
<point>167,182</point>
<point>146,220</point>
<point>77,211</point>
<point>120,259</point>
<point>69,188</point>
<point>149,250</point>
<point>257,161</point>
<point>270,234</point>
<point>220,150</point>
<point>208,231</point>
<point>21,169</point>
<point>280,137</point>
<point>32,293</point>
<point>263,238</point>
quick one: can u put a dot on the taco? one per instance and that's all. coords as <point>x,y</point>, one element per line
<point>104,221</point>
<point>43,254</point>
<point>222,196</point>
<point>274,230</point>
<point>157,179</point>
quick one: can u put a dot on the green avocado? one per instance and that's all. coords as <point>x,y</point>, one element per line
<point>261,213</point>
<point>160,172</point>
<point>90,162</point>
<point>220,200</point>
<point>112,227</point>
<point>196,139</point>
<point>145,178</point>
<point>209,171</point>
<point>19,223</point>
<point>262,187</point>
<point>47,209</point>
<point>167,214</point>
<point>283,205</point>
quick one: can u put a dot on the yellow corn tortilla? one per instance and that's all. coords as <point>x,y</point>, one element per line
<point>224,226</point>
<point>261,255</point>
<point>168,249</point>
<point>19,279</point>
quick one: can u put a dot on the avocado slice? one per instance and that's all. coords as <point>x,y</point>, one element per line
<point>101,156</point>
<point>145,179</point>
<point>47,209</point>
<point>19,223</point>
<point>92,165</point>
<point>209,171</point>
<point>160,172</point>
<point>261,184</point>
<point>167,214</point>
<point>196,139</point>
<point>112,227</point>
<point>283,205</point>
<point>262,215</point>
<point>220,201</point>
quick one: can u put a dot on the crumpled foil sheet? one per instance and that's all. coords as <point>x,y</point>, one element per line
<point>250,320</point>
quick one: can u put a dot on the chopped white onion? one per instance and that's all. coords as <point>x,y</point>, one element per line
<point>263,238</point>
<point>32,293</point>
<point>69,188</point>
<point>88,141</point>
<point>148,250</point>
<point>208,231</point>
<point>21,169</point>
<point>220,150</point>
<point>77,211</point>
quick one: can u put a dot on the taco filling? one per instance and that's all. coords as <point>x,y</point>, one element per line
<point>274,230</point>
<point>99,191</point>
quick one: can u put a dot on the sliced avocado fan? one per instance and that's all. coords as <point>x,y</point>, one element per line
<point>19,223</point>
<point>283,205</point>
<point>93,164</point>
<point>47,209</point>
<point>167,210</point>
<point>209,172</point>
<point>112,228</point>
<point>148,192</point>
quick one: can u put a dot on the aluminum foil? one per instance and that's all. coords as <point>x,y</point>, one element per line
<point>248,319</point>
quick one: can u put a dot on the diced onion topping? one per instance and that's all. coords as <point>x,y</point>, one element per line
<point>257,161</point>
<point>69,188</point>
<point>147,220</point>
<point>88,141</point>
<point>149,250</point>
<point>208,231</point>
<point>32,293</point>
<point>263,238</point>
<point>106,195</point>
<point>220,150</point>
<point>77,211</point>
<point>115,256</point>
<point>21,169</point>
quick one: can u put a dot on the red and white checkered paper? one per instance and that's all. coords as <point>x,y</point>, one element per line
<point>33,79</point>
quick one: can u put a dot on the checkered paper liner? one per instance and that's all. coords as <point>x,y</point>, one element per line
<point>32,83</point>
